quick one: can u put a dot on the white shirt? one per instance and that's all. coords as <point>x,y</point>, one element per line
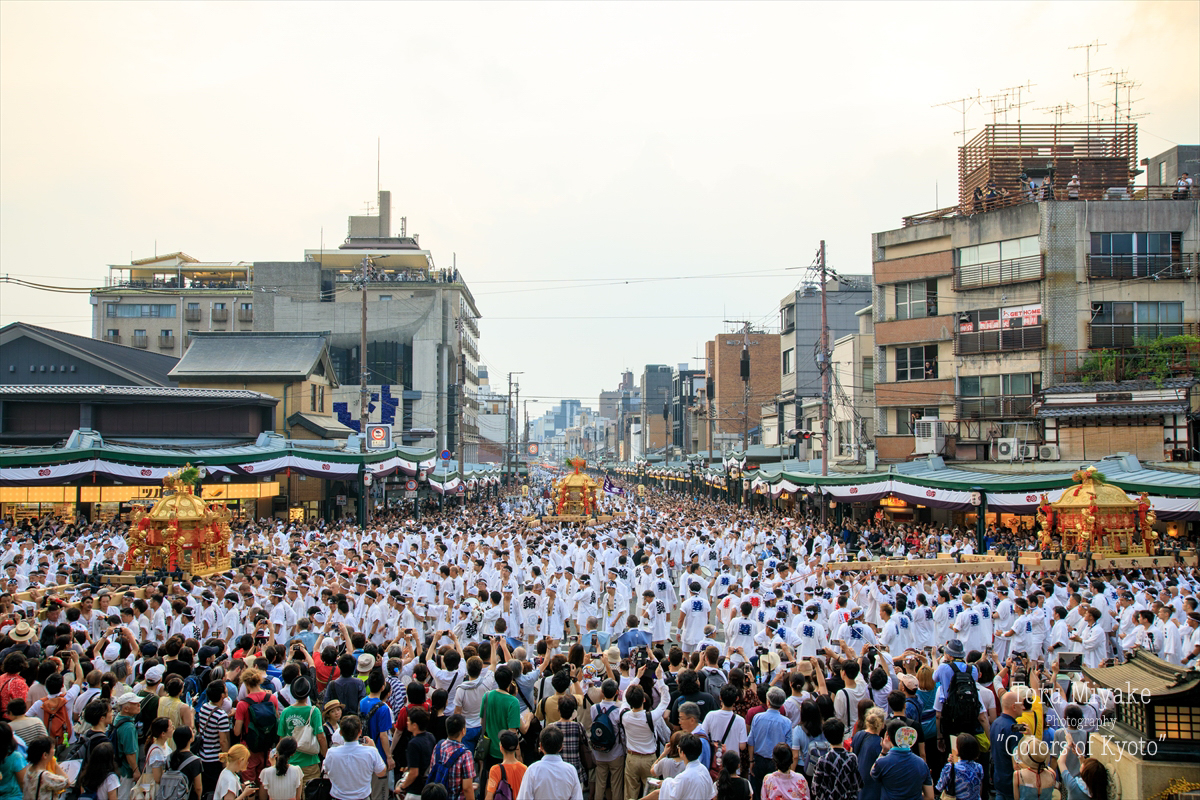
<point>552,777</point>
<point>350,768</point>
<point>715,725</point>
<point>694,783</point>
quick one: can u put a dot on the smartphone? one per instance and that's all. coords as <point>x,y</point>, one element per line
<point>954,745</point>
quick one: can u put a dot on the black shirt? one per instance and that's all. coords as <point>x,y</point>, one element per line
<point>702,699</point>
<point>420,754</point>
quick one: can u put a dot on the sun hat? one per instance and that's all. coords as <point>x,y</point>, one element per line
<point>366,662</point>
<point>155,674</point>
<point>954,649</point>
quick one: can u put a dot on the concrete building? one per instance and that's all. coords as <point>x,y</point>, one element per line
<point>852,400</point>
<point>980,308</point>
<point>686,386</point>
<point>736,410</point>
<point>1164,169</point>
<point>621,405</point>
<point>800,329</point>
<point>155,303</point>
<point>656,406</point>
<point>422,322</point>
<point>493,421</point>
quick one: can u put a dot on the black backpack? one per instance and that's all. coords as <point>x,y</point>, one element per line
<point>960,712</point>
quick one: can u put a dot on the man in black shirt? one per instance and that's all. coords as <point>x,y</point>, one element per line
<point>419,752</point>
<point>347,688</point>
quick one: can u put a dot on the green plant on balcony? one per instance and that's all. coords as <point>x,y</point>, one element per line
<point>1153,360</point>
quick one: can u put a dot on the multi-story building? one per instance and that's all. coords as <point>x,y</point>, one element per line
<point>737,403</point>
<point>800,330</point>
<point>656,406</point>
<point>620,405</point>
<point>422,322</point>
<point>1164,169</point>
<point>852,395</point>
<point>980,307</point>
<point>686,385</point>
<point>155,303</point>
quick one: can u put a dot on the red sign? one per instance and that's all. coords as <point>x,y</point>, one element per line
<point>853,490</point>
<point>43,472</point>
<point>146,473</point>
<point>930,493</point>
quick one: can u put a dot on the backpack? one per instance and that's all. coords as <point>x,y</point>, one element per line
<point>146,715</point>
<point>81,748</point>
<point>262,725</point>
<point>439,771</point>
<point>174,785</point>
<point>960,711</point>
<point>370,728</point>
<point>112,736</point>
<point>816,749</point>
<point>714,763</point>
<point>192,688</point>
<point>714,679</point>
<point>503,788</point>
<point>602,736</point>
<point>58,719</point>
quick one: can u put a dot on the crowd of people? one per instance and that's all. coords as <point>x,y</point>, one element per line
<point>684,650</point>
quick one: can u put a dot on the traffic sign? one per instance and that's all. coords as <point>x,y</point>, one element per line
<point>410,495</point>
<point>445,455</point>
<point>379,437</point>
<point>410,485</point>
<point>532,448</point>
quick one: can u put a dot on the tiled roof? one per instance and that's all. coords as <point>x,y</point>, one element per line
<point>284,355</point>
<point>142,366</point>
<point>1128,410</point>
<point>161,392</point>
<point>1119,386</point>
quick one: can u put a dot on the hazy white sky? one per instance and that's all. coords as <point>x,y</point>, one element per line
<point>536,141</point>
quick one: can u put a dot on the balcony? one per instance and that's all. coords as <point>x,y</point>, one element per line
<point>220,314</point>
<point>244,315</point>
<point>186,285</point>
<point>166,342</point>
<point>1129,266</point>
<point>1007,340</point>
<point>998,273</point>
<point>140,341</point>
<point>1100,335</point>
<point>113,338</point>
<point>994,407</point>
<point>191,314</point>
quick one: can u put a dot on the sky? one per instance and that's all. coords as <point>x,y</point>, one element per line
<point>614,180</point>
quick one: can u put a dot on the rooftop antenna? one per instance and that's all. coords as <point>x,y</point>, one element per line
<point>1000,105</point>
<point>961,105</point>
<point>1025,87</point>
<point>1118,81</point>
<point>1088,72</point>
<point>1057,111</point>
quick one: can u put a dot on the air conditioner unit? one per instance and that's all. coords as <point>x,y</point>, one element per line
<point>1006,449</point>
<point>1029,451</point>
<point>930,436</point>
<point>1049,452</point>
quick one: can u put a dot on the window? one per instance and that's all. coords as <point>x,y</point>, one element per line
<point>1120,244</point>
<point>868,374</point>
<point>1125,324</point>
<point>1162,173</point>
<point>845,441</point>
<point>193,306</point>
<point>321,399</point>
<point>166,333</point>
<point>995,263</point>
<point>917,299</point>
<point>138,310</point>
<point>218,306</point>
<point>906,417</point>
<point>788,367</point>
<point>113,333</point>
<point>917,363</point>
<point>385,298</point>
<point>312,404</point>
<point>139,332</point>
<point>787,318</point>
<point>998,396</point>
<point>247,306</point>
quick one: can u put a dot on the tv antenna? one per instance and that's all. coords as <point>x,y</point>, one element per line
<point>961,105</point>
<point>1088,71</point>
<point>1057,111</point>
<point>1118,80</point>
<point>1025,87</point>
<point>999,104</point>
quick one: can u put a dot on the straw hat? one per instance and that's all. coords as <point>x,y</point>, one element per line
<point>21,632</point>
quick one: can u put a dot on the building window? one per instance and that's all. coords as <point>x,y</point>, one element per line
<point>1162,173</point>
<point>998,396</point>
<point>138,310</point>
<point>917,363</point>
<point>166,333</point>
<point>868,374</point>
<point>247,306</point>
<point>321,399</point>
<point>845,442</point>
<point>193,306</point>
<point>139,332</point>
<point>787,318</point>
<point>787,361</point>
<point>994,263</point>
<point>907,417</point>
<point>113,334</point>
<point>384,298</point>
<point>916,299</point>
<point>1127,324</point>
<point>312,404</point>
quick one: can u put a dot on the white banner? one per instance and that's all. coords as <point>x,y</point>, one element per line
<point>322,469</point>
<point>1021,502</point>
<point>928,496</point>
<point>858,494</point>
<point>50,473</point>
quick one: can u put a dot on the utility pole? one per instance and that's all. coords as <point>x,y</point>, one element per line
<point>516,421</point>
<point>508,425</point>
<point>461,442</point>
<point>364,505</point>
<point>824,364</point>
